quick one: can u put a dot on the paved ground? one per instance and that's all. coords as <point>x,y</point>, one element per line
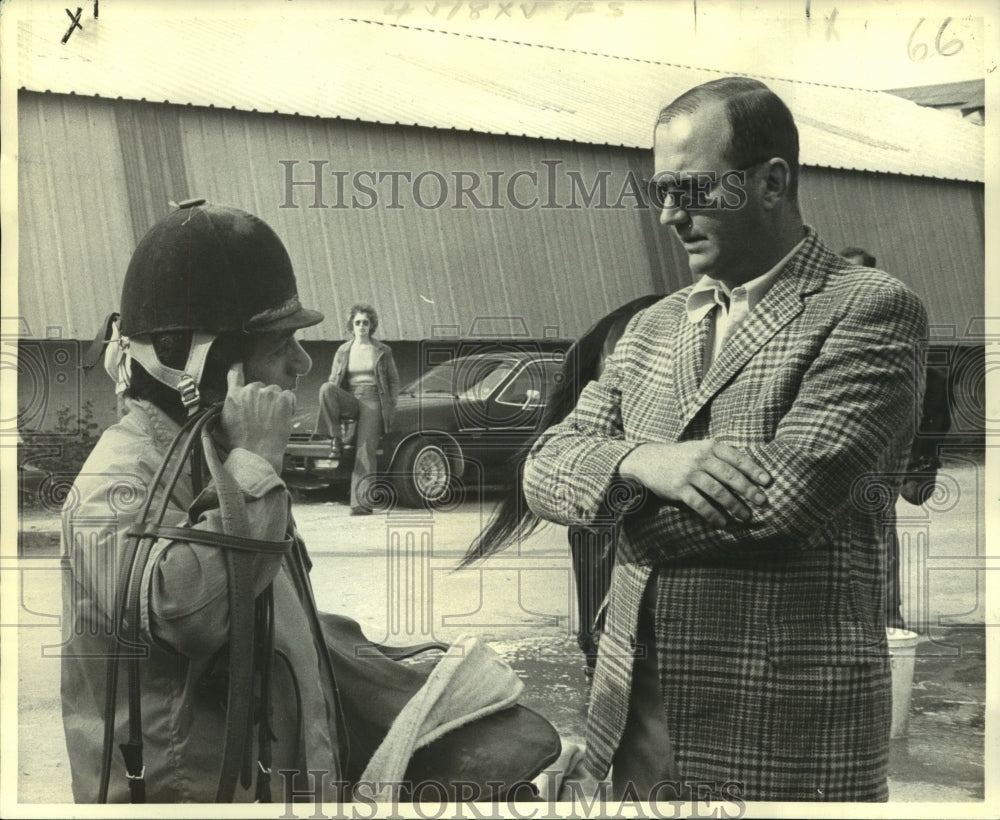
<point>394,573</point>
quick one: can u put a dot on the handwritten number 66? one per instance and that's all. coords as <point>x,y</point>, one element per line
<point>919,51</point>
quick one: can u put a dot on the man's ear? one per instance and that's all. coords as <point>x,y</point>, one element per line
<point>777,177</point>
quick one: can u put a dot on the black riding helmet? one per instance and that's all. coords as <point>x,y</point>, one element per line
<point>209,269</point>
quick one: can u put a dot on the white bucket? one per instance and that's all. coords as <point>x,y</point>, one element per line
<point>902,653</point>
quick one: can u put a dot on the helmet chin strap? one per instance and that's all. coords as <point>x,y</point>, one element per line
<point>183,381</point>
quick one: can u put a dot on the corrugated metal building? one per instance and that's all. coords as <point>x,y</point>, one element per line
<point>498,226</point>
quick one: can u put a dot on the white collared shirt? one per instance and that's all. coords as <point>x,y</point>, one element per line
<point>734,304</point>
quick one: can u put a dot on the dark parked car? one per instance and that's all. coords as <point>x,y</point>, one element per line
<point>461,418</point>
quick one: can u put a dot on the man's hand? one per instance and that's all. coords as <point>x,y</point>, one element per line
<point>257,418</point>
<point>716,481</point>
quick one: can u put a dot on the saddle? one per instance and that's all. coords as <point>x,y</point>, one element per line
<point>491,757</point>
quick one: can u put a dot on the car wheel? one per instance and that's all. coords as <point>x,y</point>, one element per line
<point>424,473</point>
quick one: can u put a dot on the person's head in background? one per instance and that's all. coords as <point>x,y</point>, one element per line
<point>859,256</point>
<point>362,322</point>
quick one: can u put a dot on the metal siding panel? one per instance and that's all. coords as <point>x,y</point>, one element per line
<point>590,229</point>
<point>602,225</point>
<point>540,274</point>
<point>150,143</point>
<point>415,283</point>
<point>441,279</point>
<point>506,233</point>
<point>614,234</point>
<point>501,239</point>
<point>463,272</point>
<point>483,244</point>
<point>74,237</point>
<point>926,232</point>
<point>41,283</point>
<point>585,272</point>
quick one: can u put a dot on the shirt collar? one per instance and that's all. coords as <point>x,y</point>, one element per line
<point>708,292</point>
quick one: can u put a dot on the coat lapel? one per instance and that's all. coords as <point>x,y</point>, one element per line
<point>782,303</point>
<point>689,363</point>
<point>778,307</point>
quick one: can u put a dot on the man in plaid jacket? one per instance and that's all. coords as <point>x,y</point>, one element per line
<point>749,433</point>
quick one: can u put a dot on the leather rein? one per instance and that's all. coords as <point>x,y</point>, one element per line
<point>251,621</point>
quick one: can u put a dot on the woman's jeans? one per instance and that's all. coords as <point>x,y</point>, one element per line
<point>361,403</point>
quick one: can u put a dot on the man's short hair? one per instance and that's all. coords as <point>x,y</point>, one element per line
<point>761,124</point>
<point>860,254</point>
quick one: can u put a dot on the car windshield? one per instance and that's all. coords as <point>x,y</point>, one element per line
<point>468,378</point>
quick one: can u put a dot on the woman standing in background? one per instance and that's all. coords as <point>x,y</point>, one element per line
<point>363,387</point>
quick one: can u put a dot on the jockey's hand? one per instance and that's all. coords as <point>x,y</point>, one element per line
<point>257,417</point>
<point>714,480</point>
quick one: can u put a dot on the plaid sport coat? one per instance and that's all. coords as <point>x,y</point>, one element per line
<point>770,634</point>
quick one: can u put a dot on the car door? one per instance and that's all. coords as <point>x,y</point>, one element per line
<point>476,380</point>
<point>515,409</point>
